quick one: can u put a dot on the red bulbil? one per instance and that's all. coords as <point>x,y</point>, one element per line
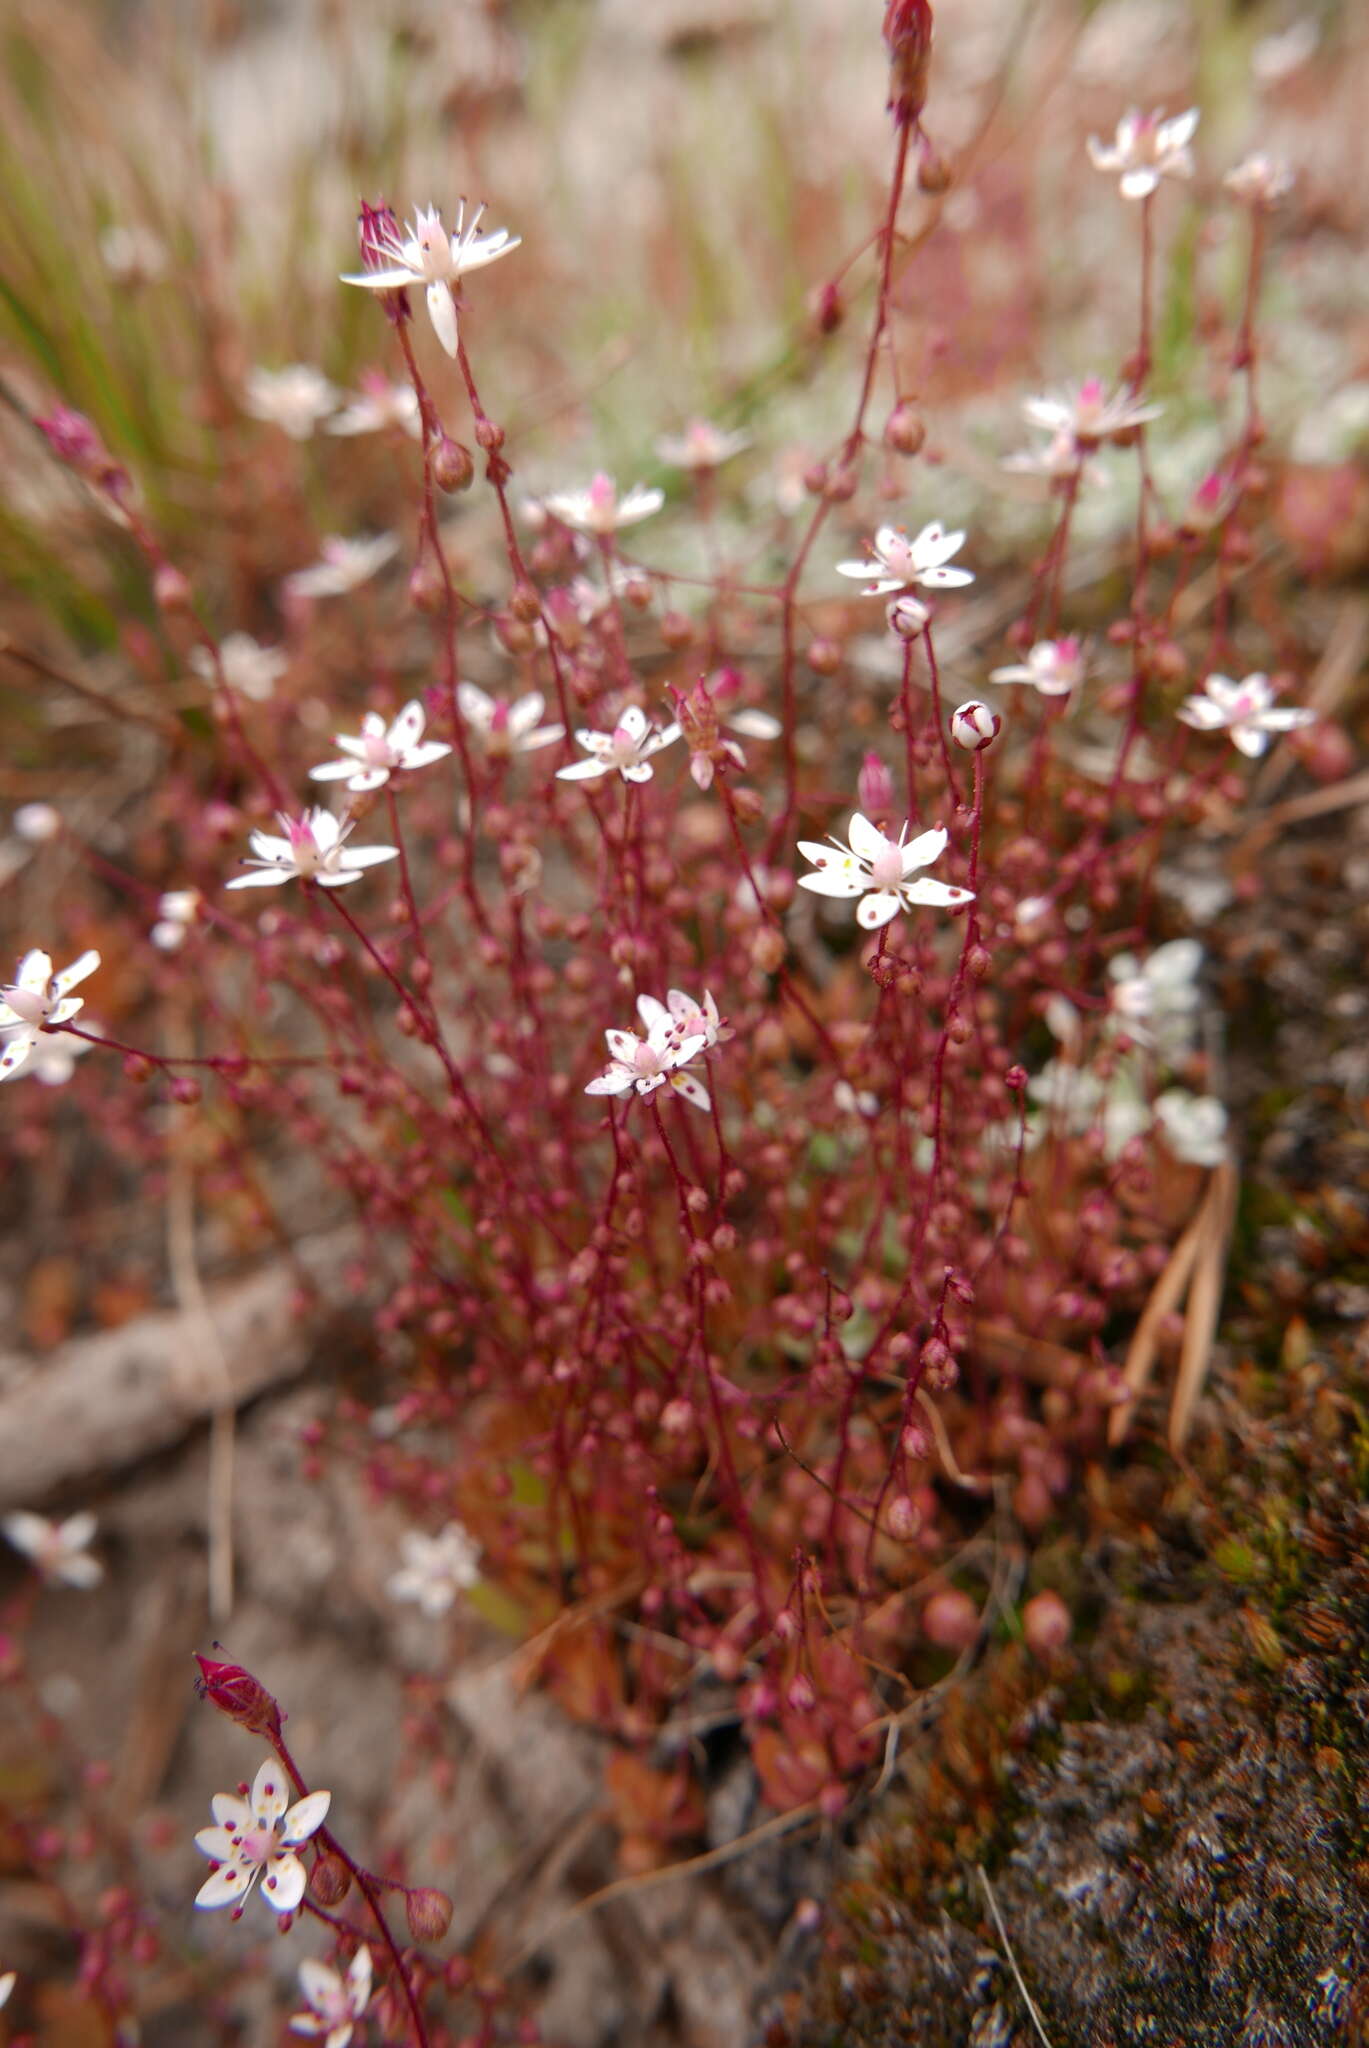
<point>236,1693</point>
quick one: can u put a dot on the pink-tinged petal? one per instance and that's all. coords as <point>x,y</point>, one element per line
<point>262,878</point>
<point>633,723</point>
<point>637,771</point>
<point>332,771</point>
<point>224,1887</point>
<point>611,1083</point>
<point>834,882</point>
<point>647,1084</point>
<point>369,856</point>
<point>623,1045</point>
<point>876,910</point>
<point>442,313</point>
<point>942,895</point>
<point>317,1981</point>
<point>283,1884</point>
<point>1251,741</point>
<point>77,971</point>
<point>407,730</point>
<point>927,847</point>
<point>583,771</point>
<point>692,1090</point>
<point>270,1794</point>
<point>477,707</point>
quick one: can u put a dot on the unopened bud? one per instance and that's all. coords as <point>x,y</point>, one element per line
<point>236,1693</point>
<point>330,1880</point>
<point>426,589</point>
<point>907,616</point>
<point>428,1912</point>
<point>1046,1624</point>
<point>908,33</point>
<point>904,430</point>
<point>950,1620</point>
<point>875,788</point>
<point>828,309</point>
<point>489,436</point>
<point>452,464</point>
<point>170,588</point>
<point>933,171</point>
<point>974,726</point>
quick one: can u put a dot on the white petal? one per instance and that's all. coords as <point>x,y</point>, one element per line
<point>523,716</point>
<point>407,730</point>
<point>283,1884</point>
<point>336,878</point>
<point>380,280</point>
<point>442,313</point>
<point>364,779</point>
<point>835,882</point>
<point>867,841</point>
<point>623,1045</point>
<point>305,1816</point>
<point>77,971</point>
<point>581,771</point>
<point>332,771</point>
<point>268,847</point>
<point>616,1082</point>
<point>230,1811</point>
<point>1251,741</point>
<point>224,1887</point>
<point>423,756</point>
<point>476,706</point>
<point>637,771</point>
<point>270,1794</point>
<point>945,579</point>
<point>691,1089</point>
<point>922,851</point>
<point>77,1531</point>
<point>940,894</point>
<point>633,723</point>
<point>262,878</point>
<point>653,1014</point>
<point>877,909</point>
<point>34,972</point>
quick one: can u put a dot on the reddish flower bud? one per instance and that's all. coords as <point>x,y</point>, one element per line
<point>829,309</point>
<point>74,440</point>
<point>908,33</point>
<point>379,234</point>
<point>236,1693</point>
<point>452,465</point>
<point>429,1913</point>
<point>1046,1624</point>
<point>875,789</point>
<point>330,1880</point>
<point>974,726</point>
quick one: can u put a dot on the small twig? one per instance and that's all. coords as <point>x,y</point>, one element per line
<point>1205,1299</point>
<point>929,1408</point>
<point>1027,1999</point>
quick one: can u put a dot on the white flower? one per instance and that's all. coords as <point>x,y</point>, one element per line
<point>1194,1126</point>
<point>248,668</point>
<point>38,1000</point>
<point>257,1838</point>
<point>380,405</point>
<point>177,910</point>
<point>52,1061</point>
<point>343,565</point>
<point>701,446</point>
<point>427,255</point>
<point>628,748</point>
<point>504,727</point>
<point>1054,667</point>
<point>377,754</point>
<point>1260,181</point>
<point>895,562</point>
<point>685,1017</point>
<point>313,850</point>
<point>1246,710</point>
<point>57,1550</point>
<point>1156,1000</point>
<point>1088,415</point>
<point>646,1064</point>
<point>1059,457</point>
<point>36,823</point>
<point>436,1568</point>
<point>1079,1101</point>
<point>336,2002</point>
<point>1145,149</point>
<point>599,509</point>
<point>294,399</point>
<point>877,869</point>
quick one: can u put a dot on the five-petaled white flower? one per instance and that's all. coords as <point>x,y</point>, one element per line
<point>504,727</point>
<point>314,849</point>
<point>1246,710</point>
<point>1088,416</point>
<point>436,1568</point>
<point>1194,1126</point>
<point>1145,149</point>
<point>701,446</point>
<point>343,565</point>
<point>427,255</point>
<point>256,1838</point>
<point>685,1017</point>
<point>599,509</point>
<point>1054,667</point>
<point>336,2002</point>
<point>628,748</point>
<point>877,870</point>
<point>1156,1000</point>
<point>52,1061</point>
<point>38,1000</point>
<point>59,1551</point>
<point>1259,181</point>
<point>380,404</point>
<point>646,1064</point>
<point>294,399</point>
<point>248,667</point>
<point>896,563</point>
<point>378,753</point>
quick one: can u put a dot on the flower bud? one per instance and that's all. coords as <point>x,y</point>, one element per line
<point>1046,1624</point>
<point>907,616</point>
<point>974,726</point>
<point>74,440</point>
<point>330,1880</point>
<point>904,430</point>
<point>828,309</point>
<point>379,233</point>
<point>429,1913</point>
<point>236,1693</point>
<point>452,465</point>
<point>950,1620</point>
<point>170,588</point>
<point>875,788</point>
<point>908,33</point>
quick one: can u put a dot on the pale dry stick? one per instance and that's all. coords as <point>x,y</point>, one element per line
<point>1295,810</point>
<point>693,1866</point>
<point>1027,1999</point>
<point>193,1303</point>
<point>1205,1299</point>
<point>1164,1297</point>
<point>975,1484</point>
